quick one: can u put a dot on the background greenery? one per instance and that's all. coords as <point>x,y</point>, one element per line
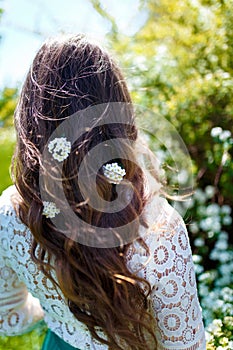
<point>179,65</point>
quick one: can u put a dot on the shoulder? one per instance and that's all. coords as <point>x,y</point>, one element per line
<point>163,220</point>
<point>8,217</point>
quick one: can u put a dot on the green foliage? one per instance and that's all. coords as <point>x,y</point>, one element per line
<point>8,99</point>
<point>104,14</point>
<point>7,143</point>
<point>28,341</point>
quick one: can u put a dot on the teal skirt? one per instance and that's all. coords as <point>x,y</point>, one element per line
<point>53,342</point>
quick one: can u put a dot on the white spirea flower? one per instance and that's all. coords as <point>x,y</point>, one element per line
<point>194,227</point>
<point>114,173</point>
<point>198,269</point>
<point>214,254</point>
<point>209,337</point>
<point>223,236</point>
<point>221,245</point>
<point>226,209</point>
<point>213,209</point>
<point>197,258</point>
<point>50,210</point>
<point>215,132</point>
<point>210,224</point>
<point>199,242</point>
<point>217,323</point>
<point>220,348</point>
<point>227,220</point>
<point>199,195</point>
<point>226,134</point>
<point>59,148</point>
<point>224,257</point>
<point>209,190</point>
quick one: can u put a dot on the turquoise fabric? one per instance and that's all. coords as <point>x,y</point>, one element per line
<point>53,342</point>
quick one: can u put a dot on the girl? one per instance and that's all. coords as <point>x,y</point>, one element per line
<point>103,276</point>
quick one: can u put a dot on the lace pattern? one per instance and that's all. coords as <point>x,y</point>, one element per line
<point>26,295</point>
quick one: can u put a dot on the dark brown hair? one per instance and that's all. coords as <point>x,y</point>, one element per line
<point>69,75</point>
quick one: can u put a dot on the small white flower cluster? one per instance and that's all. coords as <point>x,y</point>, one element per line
<point>223,135</point>
<point>211,224</point>
<point>215,296</point>
<point>215,326</point>
<point>202,196</point>
<point>60,148</point>
<point>218,332</point>
<point>222,253</point>
<point>50,210</point>
<point>211,216</point>
<point>215,301</point>
<point>114,173</point>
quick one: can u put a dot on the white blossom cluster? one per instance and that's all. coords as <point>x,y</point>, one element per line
<point>50,209</point>
<point>214,285</point>
<point>217,331</point>
<point>211,216</point>
<point>59,148</point>
<point>114,173</point>
<point>223,135</point>
<point>216,297</point>
<point>215,302</point>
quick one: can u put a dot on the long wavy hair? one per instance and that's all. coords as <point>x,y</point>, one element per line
<point>67,76</point>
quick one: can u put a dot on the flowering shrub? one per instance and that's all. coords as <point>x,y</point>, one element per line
<point>219,334</point>
<point>213,250</point>
<point>213,256</point>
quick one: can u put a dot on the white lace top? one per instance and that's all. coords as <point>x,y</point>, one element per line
<point>26,295</point>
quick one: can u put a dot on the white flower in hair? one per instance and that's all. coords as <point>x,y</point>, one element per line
<point>60,148</point>
<point>114,173</point>
<point>50,210</point>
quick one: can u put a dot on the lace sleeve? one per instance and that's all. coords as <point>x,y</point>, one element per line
<point>19,310</point>
<point>170,271</point>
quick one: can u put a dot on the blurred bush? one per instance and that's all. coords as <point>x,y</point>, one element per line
<point>29,341</point>
<point>8,99</point>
